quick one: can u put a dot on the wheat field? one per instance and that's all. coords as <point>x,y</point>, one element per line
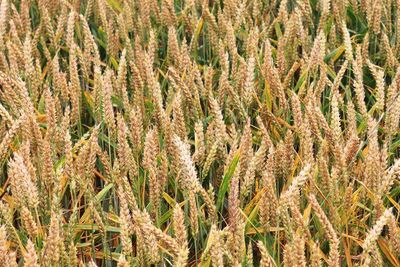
<point>199,133</point>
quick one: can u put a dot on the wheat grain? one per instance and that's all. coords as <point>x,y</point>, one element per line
<point>160,133</point>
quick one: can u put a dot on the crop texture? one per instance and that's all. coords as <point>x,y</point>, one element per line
<point>199,133</point>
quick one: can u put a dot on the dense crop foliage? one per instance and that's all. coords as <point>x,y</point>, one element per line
<point>199,133</point>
